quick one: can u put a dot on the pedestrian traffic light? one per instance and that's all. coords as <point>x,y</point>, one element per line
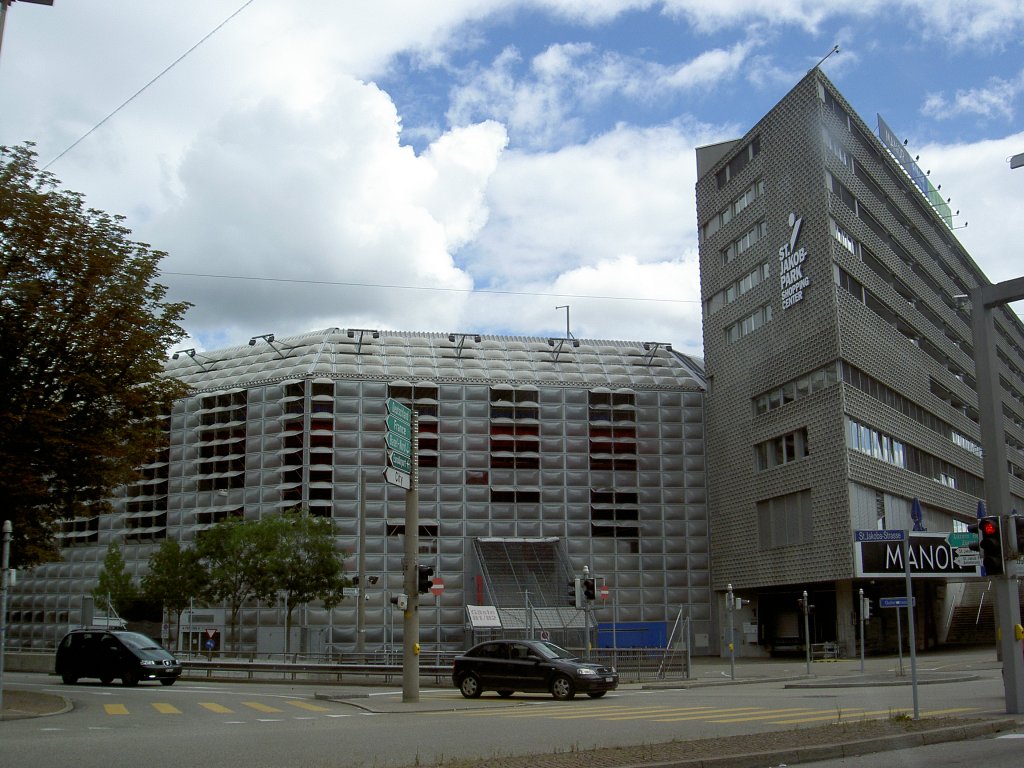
<point>575,593</point>
<point>989,545</point>
<point>1018,533</point>
<point>589,591</point>
<point>424,572</point>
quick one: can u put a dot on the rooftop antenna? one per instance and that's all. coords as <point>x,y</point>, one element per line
<point>568,333</point>
<point>835,49</point>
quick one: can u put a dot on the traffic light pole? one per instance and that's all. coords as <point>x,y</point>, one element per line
<point>411,614</point>
<point>997,482</point>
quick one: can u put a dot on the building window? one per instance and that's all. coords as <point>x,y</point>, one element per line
<point>734,208</point>
<point>748,324</point>
<point>744,242</point>
<point>784,449</point>
<point>795,389</point>
<point>740,161</point>
<point>745,284</point>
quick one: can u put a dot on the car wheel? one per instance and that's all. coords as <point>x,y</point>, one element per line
<point>107,679</point>
<point>596,694</point>
<point>69,679</point>
<point>470,686</point>
<point>130,678</point>
<point>562,688</point>
<point>505,693</point>
<point>170,681</point>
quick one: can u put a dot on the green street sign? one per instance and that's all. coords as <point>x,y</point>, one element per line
<point>399,410</point>
<point>398,443</point>
<point>399,427</point>
<point>400,462</point>
<point>962,538</point>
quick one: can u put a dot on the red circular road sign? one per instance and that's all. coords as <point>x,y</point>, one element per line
<point>436,586</point>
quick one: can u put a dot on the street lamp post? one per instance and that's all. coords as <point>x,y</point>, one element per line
<point>997,482</point>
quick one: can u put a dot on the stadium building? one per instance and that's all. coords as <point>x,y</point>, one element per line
<point>537,457</point>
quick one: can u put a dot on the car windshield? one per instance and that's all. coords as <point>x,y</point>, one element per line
<point>137,641</point>
<point>552,651</point>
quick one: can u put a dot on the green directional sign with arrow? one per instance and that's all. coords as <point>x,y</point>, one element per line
<point>962,538</point>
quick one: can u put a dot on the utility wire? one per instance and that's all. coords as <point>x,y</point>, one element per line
<point>131,98</point>
<point>427,288</point>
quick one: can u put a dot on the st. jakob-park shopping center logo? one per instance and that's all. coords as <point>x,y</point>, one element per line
<point>791,266</point>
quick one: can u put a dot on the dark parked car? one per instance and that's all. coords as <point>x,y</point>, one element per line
<point>106,654</point>
<point>507,666</point>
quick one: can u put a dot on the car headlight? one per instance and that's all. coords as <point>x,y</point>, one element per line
<point>584,671</point>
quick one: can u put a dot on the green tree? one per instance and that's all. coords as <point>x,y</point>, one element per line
<point>176,577</point>
<point>305,566</point>
<point>115,588</point>
<point>84,330</point>
<point>236,554</point>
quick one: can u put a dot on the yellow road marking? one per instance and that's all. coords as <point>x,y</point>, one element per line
<point>307,706</point>
<point>259,707</point>
<point>166,709</point>
<point>709,714</point>
<point>116,709</point>
<point>765,716</point>
<point>218,708</point>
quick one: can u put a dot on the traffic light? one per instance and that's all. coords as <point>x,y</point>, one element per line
<point>575,593</point>
<point>589,591</point>
<point>989,545</point>
<point>865,609</point>
<point>424,572</point>
<point>1018,533</point>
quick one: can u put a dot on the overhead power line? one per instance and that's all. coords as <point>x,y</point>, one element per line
<point>132,98</point>
<point>428,288</point>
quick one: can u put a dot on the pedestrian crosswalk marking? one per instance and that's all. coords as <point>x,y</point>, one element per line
<point>307,706</point>
<point>709,714</point>
<point>166,709</point>
<point>115,709</point>
<point>260,707</point>
<point>220,709</point>
<point>854,714</point>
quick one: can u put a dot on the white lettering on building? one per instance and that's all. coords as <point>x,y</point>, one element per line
<point>792,280</point>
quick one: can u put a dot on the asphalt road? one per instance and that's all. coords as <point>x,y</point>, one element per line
<point>228,724</point>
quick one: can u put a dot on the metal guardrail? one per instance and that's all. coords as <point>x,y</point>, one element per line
<point>292,670</point>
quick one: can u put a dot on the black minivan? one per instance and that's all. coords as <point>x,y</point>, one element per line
<point>107,653</point>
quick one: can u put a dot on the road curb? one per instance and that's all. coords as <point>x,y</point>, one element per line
<point>840,749</point>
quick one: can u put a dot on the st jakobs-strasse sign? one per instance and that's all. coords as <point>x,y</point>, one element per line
<point>929,555</point>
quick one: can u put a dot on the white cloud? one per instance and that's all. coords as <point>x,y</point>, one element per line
<point>988,194</point>
<point>328,197</point>
<point>995,100</point>
<point>710,67</point>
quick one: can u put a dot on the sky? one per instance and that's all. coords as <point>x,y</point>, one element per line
<point>515,167</point>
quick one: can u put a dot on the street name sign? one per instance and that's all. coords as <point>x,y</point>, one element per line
<point>395,477</point>
<point>929,554</point>
<point>398,436</point>
<point>398,444</point>
<point>894,602</point>
<point>398,427</point>
<point>961,539</point>
<point>400,462</point>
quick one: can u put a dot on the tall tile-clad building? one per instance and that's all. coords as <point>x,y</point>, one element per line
<point>537,457</point>
<point>841,384</point>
